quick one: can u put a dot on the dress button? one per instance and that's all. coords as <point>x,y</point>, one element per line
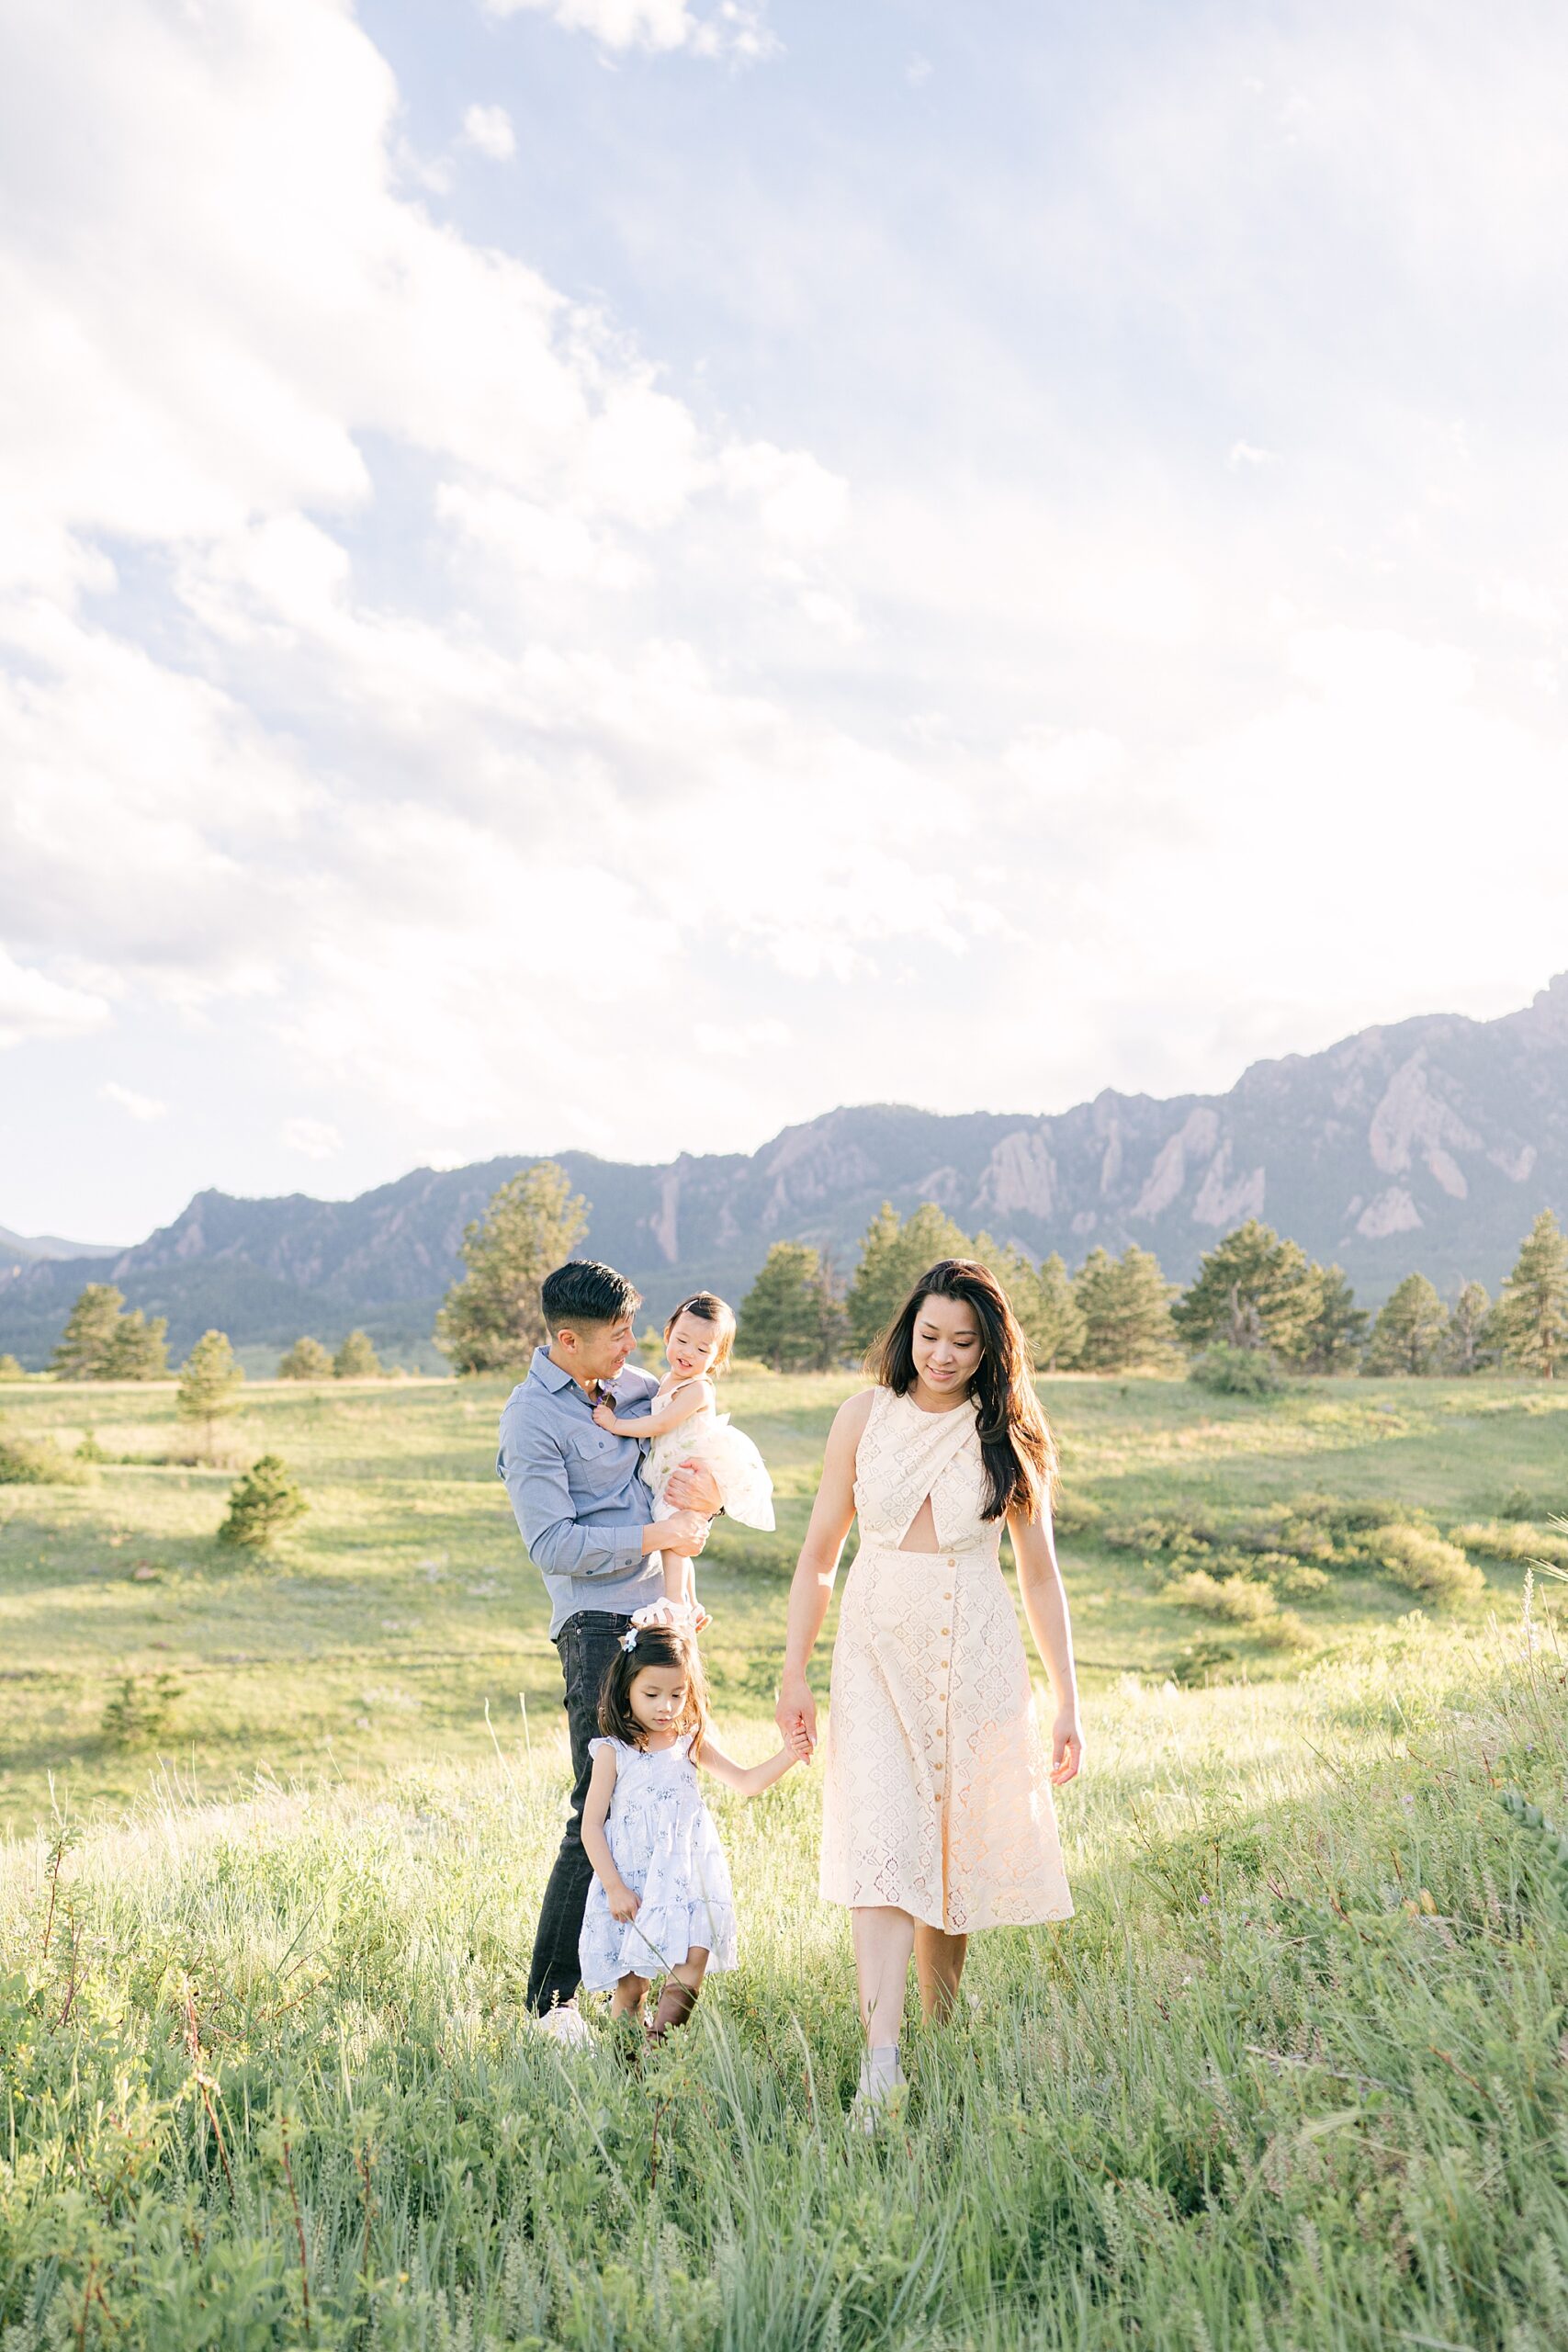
<point>947,1629</point>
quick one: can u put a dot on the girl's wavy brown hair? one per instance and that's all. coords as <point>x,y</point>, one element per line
<point>1015,1444</point>
<point>656,1646</point>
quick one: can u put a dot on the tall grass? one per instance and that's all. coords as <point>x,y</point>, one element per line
<point>1293,2078</point>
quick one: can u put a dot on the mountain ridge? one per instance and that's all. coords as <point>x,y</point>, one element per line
<point>1430,1142</point>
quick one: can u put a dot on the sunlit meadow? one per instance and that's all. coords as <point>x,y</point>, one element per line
<point>1293,2077</point>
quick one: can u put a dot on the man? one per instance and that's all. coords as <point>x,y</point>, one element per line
<point>586,1518</point>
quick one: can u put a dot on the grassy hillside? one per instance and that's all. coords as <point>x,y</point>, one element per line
<point>1292,2080</point>
<point>403,1601</point>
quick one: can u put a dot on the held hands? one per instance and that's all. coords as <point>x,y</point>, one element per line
<point>795,1716</point>
<point>1067,1747</point>
<point>624,1905</point>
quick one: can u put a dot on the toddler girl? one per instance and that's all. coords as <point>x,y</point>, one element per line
<point>661,1904</point>
<point>685,1426</point>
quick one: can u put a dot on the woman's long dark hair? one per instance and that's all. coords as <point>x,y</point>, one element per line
<point>1015,1443</point>
<point>655,1645</point>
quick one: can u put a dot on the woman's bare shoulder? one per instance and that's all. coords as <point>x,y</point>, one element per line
<point>853,1415</point>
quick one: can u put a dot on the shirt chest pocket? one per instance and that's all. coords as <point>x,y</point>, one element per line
<point>596,1460</point>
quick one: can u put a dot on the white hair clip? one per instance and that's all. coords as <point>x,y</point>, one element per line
<point>629,1639</point>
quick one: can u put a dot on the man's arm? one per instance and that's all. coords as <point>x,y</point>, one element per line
<point>534,1470</point>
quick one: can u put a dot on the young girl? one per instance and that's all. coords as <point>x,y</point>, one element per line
<point>685,1426</point>
<point>661,1903</point>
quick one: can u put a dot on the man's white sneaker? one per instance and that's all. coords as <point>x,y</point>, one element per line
<point>564,2024</point>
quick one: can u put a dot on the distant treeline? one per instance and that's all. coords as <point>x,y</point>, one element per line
<point>104,1340</point>
<point>1259,1310</point>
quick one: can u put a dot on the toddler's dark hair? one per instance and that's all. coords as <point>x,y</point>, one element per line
<point>656,1646</point>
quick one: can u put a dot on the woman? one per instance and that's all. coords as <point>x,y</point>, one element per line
<point>937,1816</point>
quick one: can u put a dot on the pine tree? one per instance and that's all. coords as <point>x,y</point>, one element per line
<point>895,1253</point>
<point>1041,1298</point>
<point>491,1319</point>
<point>261,1504</point>
<point>84,1347</point>
<point>211,1382</point>
<point>1409,1334</point>
<point>874,1297</point>
<point>789,1318</point>
<point>1335,1332</point>
<point>306,1360</point>
<point>1056,1334</point>
<point>1014,1270</point>
<point>1530,1321</point>
<point>1465,1346</point>
<point>139,1349</point>
<point>101,1341</point>
<point>357,1359</point>
<point>11,1369</point>
<point>1125,1305</point>
<point>1252,1291</point>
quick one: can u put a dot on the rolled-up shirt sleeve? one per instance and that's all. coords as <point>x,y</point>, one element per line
<point>534,1473</point>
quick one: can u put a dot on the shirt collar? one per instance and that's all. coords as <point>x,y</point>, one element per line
<point>549,1374</point>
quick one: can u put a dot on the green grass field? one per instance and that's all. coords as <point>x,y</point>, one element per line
<point>1295,2077</point>
<point>404,1603</point>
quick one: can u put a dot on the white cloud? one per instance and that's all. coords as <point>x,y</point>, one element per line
<point>731,1039</point>
<point>731,28</point>
<point>316,1138</point>
<point>799,502</point>
<point>1521,600</point>
<point>489,131</point>
<point>143,1107</point>
<point>1060,765</point>
<point>371,611</point>
<point>832,615</point>
<point>33,1006</point>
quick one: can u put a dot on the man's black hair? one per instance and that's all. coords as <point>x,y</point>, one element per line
<point>582,1291</point>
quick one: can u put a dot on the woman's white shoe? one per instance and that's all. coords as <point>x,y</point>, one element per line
<point>881,2094</point>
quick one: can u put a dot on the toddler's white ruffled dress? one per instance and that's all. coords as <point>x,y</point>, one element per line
<point>710,1438</point>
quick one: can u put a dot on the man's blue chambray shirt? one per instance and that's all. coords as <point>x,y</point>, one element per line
<point>576,1492</point>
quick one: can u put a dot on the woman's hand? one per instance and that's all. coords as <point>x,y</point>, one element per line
<point>796,1715</point>
<point>1066,1746</point>
<point>624,1904</point>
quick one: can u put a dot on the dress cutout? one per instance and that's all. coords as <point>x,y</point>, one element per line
<point>666,1847</point>
<point>938,1793</point>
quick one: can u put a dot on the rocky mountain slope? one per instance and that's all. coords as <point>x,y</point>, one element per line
<point>1430,1144</point>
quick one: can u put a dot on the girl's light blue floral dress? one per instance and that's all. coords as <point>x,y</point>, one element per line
<point>666,1847</point>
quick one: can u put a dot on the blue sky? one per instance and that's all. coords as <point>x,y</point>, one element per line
<point>618,572</point>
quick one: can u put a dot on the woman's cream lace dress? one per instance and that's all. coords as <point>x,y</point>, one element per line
<point>938,1796</point>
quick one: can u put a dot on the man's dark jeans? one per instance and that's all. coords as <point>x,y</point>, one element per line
<point>587,1644</point>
